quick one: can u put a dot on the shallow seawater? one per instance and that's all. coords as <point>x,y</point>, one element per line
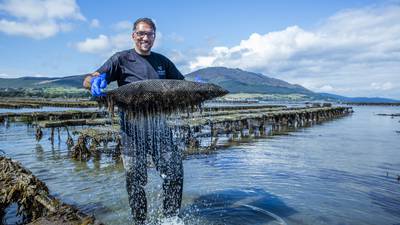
<point>339,172</point>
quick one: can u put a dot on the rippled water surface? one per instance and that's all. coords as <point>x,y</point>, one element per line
<point>339,172</point>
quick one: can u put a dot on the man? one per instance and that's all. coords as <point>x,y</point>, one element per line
<point>133,65</point>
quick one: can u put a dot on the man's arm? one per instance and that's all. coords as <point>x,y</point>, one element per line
<point>109,68</point>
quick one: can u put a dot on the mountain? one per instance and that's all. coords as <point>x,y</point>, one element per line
<point>40,82</point>
<point>234,80</point>
<point>237,80</point>
<point>340,98</point>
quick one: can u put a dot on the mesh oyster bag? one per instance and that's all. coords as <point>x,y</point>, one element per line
<point>160,95</point>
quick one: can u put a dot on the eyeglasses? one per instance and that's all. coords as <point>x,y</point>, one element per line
<point>141,34</point>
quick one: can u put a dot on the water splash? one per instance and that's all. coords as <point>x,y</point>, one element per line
<point>148,138</point>
<point>277,218</point>
<point>146,106</point>
<point>172,221</point>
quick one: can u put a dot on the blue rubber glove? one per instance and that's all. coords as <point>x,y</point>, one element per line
<point>98,84</point>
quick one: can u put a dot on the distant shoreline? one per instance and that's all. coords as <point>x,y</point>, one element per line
<point>373,103</point>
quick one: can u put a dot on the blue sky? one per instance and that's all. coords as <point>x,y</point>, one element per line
<point>344,47</point>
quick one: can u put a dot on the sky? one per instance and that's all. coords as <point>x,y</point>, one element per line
<point>349,48</point>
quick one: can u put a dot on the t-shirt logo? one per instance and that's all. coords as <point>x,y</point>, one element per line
<point>161,72</point>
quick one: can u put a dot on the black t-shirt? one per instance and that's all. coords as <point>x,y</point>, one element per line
<point>125,67</point>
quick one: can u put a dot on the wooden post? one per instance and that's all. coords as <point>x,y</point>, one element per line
<point>39,134</point>
<point>52,136</point>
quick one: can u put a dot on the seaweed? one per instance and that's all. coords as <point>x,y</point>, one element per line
<point>32,196</point>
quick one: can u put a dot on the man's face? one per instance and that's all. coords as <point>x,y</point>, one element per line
<point>144,37</point>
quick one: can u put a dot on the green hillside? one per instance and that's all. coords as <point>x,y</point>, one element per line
<point>234,80</point>
<point>40,82</point>
<point>237,80</point>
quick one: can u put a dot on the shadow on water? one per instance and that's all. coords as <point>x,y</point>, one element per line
<point>387,201</point>
<point>385,195</point>
<point>239,207</point>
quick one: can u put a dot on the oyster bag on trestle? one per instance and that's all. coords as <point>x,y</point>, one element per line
<point>163,95</point>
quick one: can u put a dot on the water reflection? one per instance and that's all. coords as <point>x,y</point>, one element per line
<point>339,172</point>
<point>39,152</point>
<point>388,201</point>
<point>239,207</point>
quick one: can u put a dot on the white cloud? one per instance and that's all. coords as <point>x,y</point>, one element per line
<point>382,86</point>
<point>94,45</point>
<point>9,76</point>
<point>106,45</point>
<point>177,56</point>
<point>159,40</point>
<point>121,41</point>
<point>39,31</point>
<point>38,18</point>
<point>123,25</point>
<point>346,54</point>
<point>175,38</point>
<point>95,23</point>
<point>3,75</point>
<point>326,88</point>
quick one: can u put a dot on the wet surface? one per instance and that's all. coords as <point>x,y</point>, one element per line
<point>339,172</point>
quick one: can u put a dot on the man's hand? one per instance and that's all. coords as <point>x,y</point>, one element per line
<point>87,82</point>
<point>98,84</point>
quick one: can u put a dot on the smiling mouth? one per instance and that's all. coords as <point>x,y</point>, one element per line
<point>145,44</point>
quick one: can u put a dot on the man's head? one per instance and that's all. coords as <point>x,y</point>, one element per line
<point>144,34</point>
